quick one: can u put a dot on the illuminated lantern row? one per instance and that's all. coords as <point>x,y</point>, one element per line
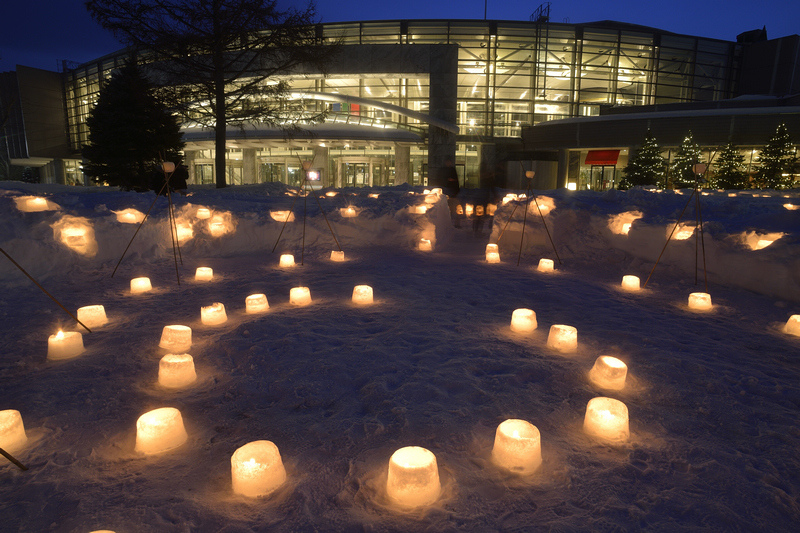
<point>792,326</point>
<point>607,420</point>
<point>609,373</point>
<point>159,431</point>
<point>523,320</point>
<point>12,431</point>
<point>700,301</point>
<point>413,479</point>
<point>517,447</point>
<point>425,245</point>
<point>140,285</point>
<point>545,265</point>
<point>256,303</point>
<point>300,296</point>
<point>337,255</point>
<point>257,469</point>
<point>213,315</point>
<point>204,274</point>
<point>362,294</point>
<point>176,338</point>
<point>176,371</point>
<point>64,345</point>
<point>630,283</point>
<point>563,338</point>
<point>93,316</point>
<point>286,261</point>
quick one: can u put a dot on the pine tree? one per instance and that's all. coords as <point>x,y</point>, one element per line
<point>646,166</point>
<point>681,169</point>
<point>730,169</point>
<point>130,132</point>
<point>776,159</point>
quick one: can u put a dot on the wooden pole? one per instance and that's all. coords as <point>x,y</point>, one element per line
<point>12,459</point>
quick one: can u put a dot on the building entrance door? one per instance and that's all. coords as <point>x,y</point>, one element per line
<point>356,174</point>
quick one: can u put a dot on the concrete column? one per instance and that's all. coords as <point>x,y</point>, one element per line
<point>563,168</point>
<point>249,170</point>
<point>402,164</point>
<point>322,161</point>
<point>188,161</point>
<point>443,105</point>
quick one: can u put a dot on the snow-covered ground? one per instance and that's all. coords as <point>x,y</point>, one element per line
<point>713,396</point>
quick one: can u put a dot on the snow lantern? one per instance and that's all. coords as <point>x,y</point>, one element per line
<point>64,345</point>
<point>468,209</point>
<point>184,231</point>
<point>700,301</point>
<point>204,274</point>
<point>418,209</point>
<point>563,338</point>
<point>286,261</point>
<point>609,373</point>
<point>213,315</point>
<point>523,320</point>
<point>491,247</point>
<point>93,316</point>
<point>517,446</point>
<point>282,216</point>
<point>300,296</point>
<point>425,245</point>
<point>413,479</point>
<point>139,285</point>
<point>792,326</point>
<point>545,265</point>
<point>337,255</point>
<point>129,216</point>
<point>431,198</point>
<point>32,204</point>
<point>791,207</point>
<point>479,210</point>
<point>348,212</point>
<point>331,194</point>
<point>176,371</point>
<point>374,195</point>
<point>630,283</point>
<point>621,224</point>
<point>12,430</point>
<point>257,469</point>
<point>256,303</point>
<point>221,224</point>
<point>77,234</point>
<point>509,197</point>
<point>492,257</point>
<point>203,213</point>
<point>606,419</point>
<point>436,190</point>
<point>491,209</point>
<point>159,431</point>
<point>176,338</point>
<point>682,232</point>
<point>362,294</point>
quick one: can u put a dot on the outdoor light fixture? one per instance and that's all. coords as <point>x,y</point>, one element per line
<point>609,373</point>
<point>256,303</point>
<point>140,285</point>
<point>203,274</point>
<point>545,265</point>
<point>176,371</point>
<point>523,320</point>
<point>413,479</point>
<point>12,431</point>
<point>563,338</point>
<point>630,283</point>
<point>93,316</point>
<point>337,255</point>
<point>286,261</point>
<point>517,447</point>
<point>300,296</point>
<point>213,315</point>
<point>606,419</point>
<point>176,339</point>
<point>159,431</point>
<point>257,469</point>
<point>792,326</point>
<point>362,294</point>
<point>700,301</point>
<point>64,345</point>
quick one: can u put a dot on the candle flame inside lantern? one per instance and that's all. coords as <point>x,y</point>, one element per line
<point>545,265</point>
<point>791,207</point>
<point>139,285</point>
<point>213,315</point>
<point>425,245</point>
<point>176,338</point>
<point>523,320</point>
<point>286,261</point>
<point>176,371</point>
<point>257,469</point>
<point>348,212</point>
<point>204,274</point>
<point>563,338</point>
<point>607,419</point>
<point>64,345</point>
<point>12,431</point>
<point>700,301</point>
<point>93,316</point>
<point>413,479</point>
<point>256,303</point>
<point>630,283</point>
<point>491,209</point>
<point>362,294</point>
<point>517,447</point>
<point>792,326</point>
<point>300,296</point>
<point>609,373</point>
<point>337,255</point>
<point>159,431</point>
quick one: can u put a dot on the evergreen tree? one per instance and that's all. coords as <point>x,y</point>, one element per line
<point>646,166</point>
<point>776,159</point>
<point>130,132</point>
<point>730,169</point>
<point>681,169</point>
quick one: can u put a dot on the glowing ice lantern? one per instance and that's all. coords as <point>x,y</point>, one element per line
<point>700,301</point>
<point>286,261</point>
<point>300,296</point>
<point>491,247</point>
<point>362,294</point>
<point>34,204</point>
<point>609,373</point>
<point>12,431</point>
<point>282,216</point>
<point>217,228</point>
<point>203,213</point>
<point>425,245</point>
<point>792,326</point>
<point>523,320</point>
<point>337,255</point>
<point>213,315</point>
<point>468,210</point>
<point>606,419</point>
<point>563,338</point>
<point>203,274</point>
<point>93,316</point>
<point>545,265</point>
<point>630,283</point>
<point>348,212</point>
<point>517,446</point>
<point>64,345</point>
<point>176,339</point>
<point>159,431</point>
<point>492,257</point>
<point>139,285</point>
<point>257,469</point>
<point>185,231</point>
<point>413,479</point>
<point>256,303</point>
<point>129,216</point>
<point>176,371</point>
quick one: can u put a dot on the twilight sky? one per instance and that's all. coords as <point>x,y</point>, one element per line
<point>40,33</point>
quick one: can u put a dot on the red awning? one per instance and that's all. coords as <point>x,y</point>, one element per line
<point>602,157</point>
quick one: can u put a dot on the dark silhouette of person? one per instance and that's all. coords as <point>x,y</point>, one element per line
<point>448,181</point>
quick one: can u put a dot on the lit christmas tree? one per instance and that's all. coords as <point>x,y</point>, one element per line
<point>730,169</point>
<point>776,162</point>
<point>688,155</point>
<point>646,166</point>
